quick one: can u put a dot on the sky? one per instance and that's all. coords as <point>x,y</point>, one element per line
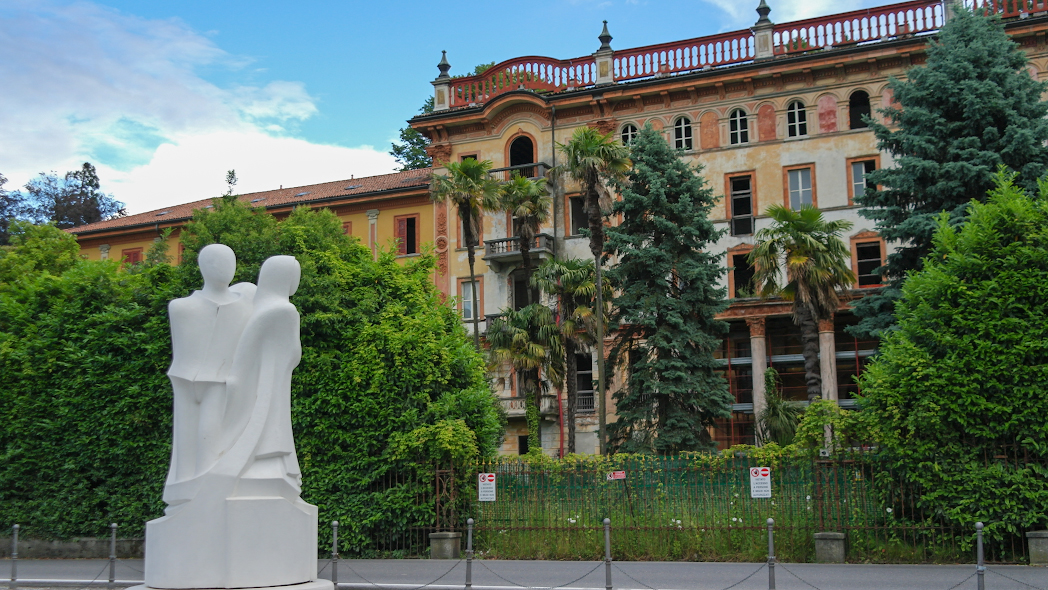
<point>165,96</point>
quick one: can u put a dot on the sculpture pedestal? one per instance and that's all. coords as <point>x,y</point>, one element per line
<point>239,542</point>
<point>317,585</point>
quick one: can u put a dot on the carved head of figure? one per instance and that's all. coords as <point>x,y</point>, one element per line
<point>217,264</point>
<point>279,276</point>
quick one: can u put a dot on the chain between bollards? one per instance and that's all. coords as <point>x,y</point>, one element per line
<point>980,565</point>
<point>469,553</point>
<point>112,556</point>
<point>771,554</point>
<point>607,554</point>
<point>14,557</point>
<point>334,552</point>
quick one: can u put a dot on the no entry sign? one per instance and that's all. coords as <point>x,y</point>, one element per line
<point>486,487</point>
<point>760,482</point>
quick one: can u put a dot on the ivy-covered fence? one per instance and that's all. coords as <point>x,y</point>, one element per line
<point>699,507</point>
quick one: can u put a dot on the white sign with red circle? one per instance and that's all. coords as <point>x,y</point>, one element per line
<point>760,482</point>
<point>486,487</point>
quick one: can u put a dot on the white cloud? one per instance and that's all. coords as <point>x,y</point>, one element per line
<point>743,14</point>
<point>85,82</point>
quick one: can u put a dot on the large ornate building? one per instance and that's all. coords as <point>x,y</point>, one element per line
<point>774,113</point>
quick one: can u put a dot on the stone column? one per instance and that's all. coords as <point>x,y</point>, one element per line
<point>762,34</point>
<point>604,58</point>
<point>373,231</point>
<point>442,86</point>
<point>104,249</point>
<point>759,358</point>
<point>828,360</point>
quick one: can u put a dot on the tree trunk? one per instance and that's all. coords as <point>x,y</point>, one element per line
<point>525,256</point>
<point>471,252</point>
<point>595,219</point>
<point>810,340</point>
<point>571,371</point>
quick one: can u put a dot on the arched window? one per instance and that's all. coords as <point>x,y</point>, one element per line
<point>682,133</point>
<point>738,127</point>
<point>521,152</point>
<point>858,106</point>
<point>796,120</point>
<point>629,133</point>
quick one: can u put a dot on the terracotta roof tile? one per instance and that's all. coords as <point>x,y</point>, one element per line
<point>275,198</point>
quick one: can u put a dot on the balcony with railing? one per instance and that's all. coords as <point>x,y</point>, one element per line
<point>516,406</point>
<point>547,75</point>
<point>506,251</point>
<point>533,170</point>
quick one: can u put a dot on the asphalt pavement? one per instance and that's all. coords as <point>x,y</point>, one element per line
<point>409,574</point>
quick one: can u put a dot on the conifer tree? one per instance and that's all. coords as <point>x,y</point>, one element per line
<point>971,108</point>
<point>667,279</point>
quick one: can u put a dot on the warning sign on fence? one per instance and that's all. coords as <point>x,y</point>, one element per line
<point>760,482</point>
<point>616,475</point>
<point>486,487</point>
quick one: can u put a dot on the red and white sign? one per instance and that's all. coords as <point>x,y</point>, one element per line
<point>616,475</point>
<point>486,487</point>
<point>760,482</point>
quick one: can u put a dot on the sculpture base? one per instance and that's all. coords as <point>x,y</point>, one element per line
<point>233,543</point>
<point>317,585</point>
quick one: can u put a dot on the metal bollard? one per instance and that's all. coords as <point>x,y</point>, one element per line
<point>607,554</point>
<point>469,553</point>
<point>14,557</point>
<point>771,554</point>
<point>980,565</point>
<point>112,555</point>
<point>334,552</point>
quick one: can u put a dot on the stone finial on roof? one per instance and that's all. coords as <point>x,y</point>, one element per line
<point>763,9</point>
<point>605,38</point>
<point>444,66</point>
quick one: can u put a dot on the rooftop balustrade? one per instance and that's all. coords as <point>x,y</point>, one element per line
<point>547,75</point>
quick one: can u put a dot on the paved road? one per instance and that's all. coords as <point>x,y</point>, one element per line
<point>406,574</point>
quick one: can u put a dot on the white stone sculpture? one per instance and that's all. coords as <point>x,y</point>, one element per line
<point>234,518</point>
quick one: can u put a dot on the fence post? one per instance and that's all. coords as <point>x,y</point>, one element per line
<point>334,552</point>
<point>469,553</point>
<point>607,554</point>
<point>14,557</point>
<point>980,565</point>
<point>112,555</point>
<point>771,554</point>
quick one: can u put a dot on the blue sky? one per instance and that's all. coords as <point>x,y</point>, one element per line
<point>164,96</point>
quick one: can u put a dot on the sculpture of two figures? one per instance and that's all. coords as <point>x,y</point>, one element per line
<point>234,518</point>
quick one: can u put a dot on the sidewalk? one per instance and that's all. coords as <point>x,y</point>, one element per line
<point>405,574</point>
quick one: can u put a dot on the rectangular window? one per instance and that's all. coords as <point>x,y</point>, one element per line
<point>466,299</point>
<point>522,291</point>
<point>800,189</point>
<point>742,276</point>
<point>741,188</point>
<point>867,260</point>
<point>406,232</point>
<point>131,256</point>
<point>522,444</point>
<point>858,169</point>
<point>468,157</point>
<point>347,228</point>
<point>584,382</point>
<point>578,220</point>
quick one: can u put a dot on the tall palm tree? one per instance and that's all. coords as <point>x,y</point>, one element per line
<point>815,259</point>
<point>529,340</point>
<point>573,282</point>
<point>593,158</point>
<point>472,191</point>
<point>528,203</point>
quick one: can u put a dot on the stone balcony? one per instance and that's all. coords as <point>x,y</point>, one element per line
<point>515,406</point>
<point>533,170</point>
<point>505,252</point>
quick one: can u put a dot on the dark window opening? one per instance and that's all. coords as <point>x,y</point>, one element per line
<point>521,290</point>
<point>469,157</point>
<point>407,235</point>
<point>859,170</point>
<point>858,107</point>
<point>741,206</point>
<point>522,151</point>
<point>868,260</point>
<point>796,120</point>
<point>738,127</point>
<point>682,134</point>
<point>578,215</point>
<point>743,274</point>
<point>522,444</point>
